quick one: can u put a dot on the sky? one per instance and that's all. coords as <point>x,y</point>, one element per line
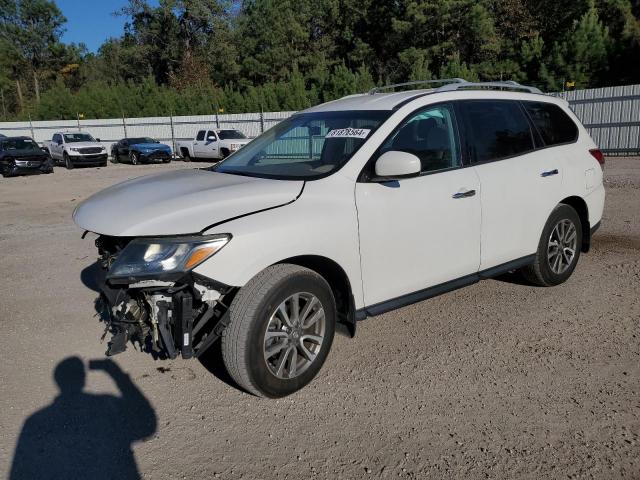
<point>92,21</point>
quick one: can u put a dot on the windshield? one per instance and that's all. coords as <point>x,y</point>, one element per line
<point>20,144</point>
<point>230,134</point>
<point>305,146</point>
<point>78,137</point>
<point>136,141</point>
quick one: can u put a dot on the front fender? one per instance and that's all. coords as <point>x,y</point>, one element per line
<point>322,222</point>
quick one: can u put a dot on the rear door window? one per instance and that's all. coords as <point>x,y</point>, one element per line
<point>495,129</point>
<point>200,135</point>
<point>552,122</point>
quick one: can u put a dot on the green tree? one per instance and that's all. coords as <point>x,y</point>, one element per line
<point>31,31</point>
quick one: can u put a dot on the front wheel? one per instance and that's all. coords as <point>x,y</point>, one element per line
<point>280,332</point>
<point>67,161</point>
<point>558,249</point>
<point>115,156</point>
<point>135,158</point>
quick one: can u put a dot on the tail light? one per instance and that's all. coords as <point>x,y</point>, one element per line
<point>598,155</point>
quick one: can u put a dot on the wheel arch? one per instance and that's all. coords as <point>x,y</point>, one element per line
<point>339,282</point>
<point>580,206</point>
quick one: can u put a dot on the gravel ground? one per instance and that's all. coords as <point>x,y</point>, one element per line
<point>497,380</point>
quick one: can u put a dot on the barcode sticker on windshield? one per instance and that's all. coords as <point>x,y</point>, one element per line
<point>348,133</point>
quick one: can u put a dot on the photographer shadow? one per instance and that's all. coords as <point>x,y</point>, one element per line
<point>84,435</point>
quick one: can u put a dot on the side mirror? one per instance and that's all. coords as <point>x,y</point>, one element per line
<point>211,138</point>
<point>395,165</point>
<point>97,139</point>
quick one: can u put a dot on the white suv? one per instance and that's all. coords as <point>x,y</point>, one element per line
<point>346,210</point>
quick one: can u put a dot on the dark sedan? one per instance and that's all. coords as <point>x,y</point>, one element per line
<point>140,150</point>
<point>23,156</point>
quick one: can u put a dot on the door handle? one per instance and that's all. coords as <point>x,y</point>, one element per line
<point>549,173</point>
<point>465,194</point>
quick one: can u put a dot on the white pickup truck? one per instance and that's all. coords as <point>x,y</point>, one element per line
<point>212,144</point>
<point>76,148</point>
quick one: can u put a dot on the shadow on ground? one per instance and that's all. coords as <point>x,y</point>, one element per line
<point>83,435</point>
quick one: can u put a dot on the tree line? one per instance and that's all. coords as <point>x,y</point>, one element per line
<point>200,56</point>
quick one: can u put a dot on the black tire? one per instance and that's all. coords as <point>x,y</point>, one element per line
<point>225,153</point>
<point>243,341</point>
<point>540,272</point>
<point>134,158</point>
<point>185,156</point>
<point>116,159</point>
<point>67,161</point>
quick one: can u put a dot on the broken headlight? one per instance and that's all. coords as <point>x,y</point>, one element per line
<point>165,257</point>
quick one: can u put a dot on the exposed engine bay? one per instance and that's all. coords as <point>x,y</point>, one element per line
<point>165,317</point>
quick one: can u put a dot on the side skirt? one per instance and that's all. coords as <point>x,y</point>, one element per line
<point>420,295</point>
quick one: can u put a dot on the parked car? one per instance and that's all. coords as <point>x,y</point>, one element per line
<point>140,150</point>
<point>212,144</point>
<point>76,148</point>
<point>22,156</point>
<point>344,211</point>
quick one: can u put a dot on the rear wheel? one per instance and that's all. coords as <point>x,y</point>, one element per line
<point>558,249</point>
<point>67,161</point>
<point>185,156</point>
<point>280,332</point>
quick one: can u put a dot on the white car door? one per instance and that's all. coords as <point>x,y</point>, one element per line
<point>419,232</point>
<point>520,185</point>
<point>211,146</point>
<point>199,145</point>
<point>57,146</point>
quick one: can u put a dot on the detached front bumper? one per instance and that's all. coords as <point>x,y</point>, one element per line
<point>165,318</point>
<point>18,168</point>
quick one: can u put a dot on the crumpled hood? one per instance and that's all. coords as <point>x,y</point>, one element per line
<point>180,202</point>
<point>152,146</point>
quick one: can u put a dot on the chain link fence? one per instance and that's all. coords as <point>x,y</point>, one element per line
<point>611,115</point>
<point>165,129</point>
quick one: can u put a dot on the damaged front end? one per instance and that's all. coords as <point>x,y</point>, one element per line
<point>151,297</point>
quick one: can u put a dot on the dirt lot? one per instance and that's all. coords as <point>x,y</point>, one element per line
<point>498,380</point>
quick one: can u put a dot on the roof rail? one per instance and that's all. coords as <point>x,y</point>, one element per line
<point>452,84</point>
<point>419,82</point>
<point>502,85</point>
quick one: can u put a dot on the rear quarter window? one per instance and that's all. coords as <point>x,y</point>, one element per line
<point>554,125</point>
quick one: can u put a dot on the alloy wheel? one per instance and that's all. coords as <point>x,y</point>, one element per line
<point>294,335</point>
<point>561,249</point>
